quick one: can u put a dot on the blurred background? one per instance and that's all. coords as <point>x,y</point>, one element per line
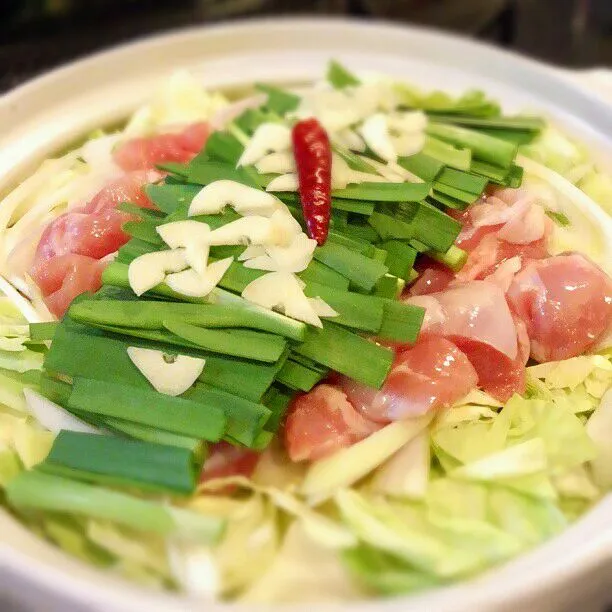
<point>38,34</point>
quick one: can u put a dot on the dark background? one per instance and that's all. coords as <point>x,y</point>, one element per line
<point>38,34</point>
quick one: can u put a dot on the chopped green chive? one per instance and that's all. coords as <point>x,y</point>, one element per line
<point>316,272</point>
<point>43,331</point>
<point>559,218</point>
<point>149,314</point>
<point>400,257</point>
<point>277,400</point>
<point>362,271</point>
<point>151,434</point>
<point>148,407</point>
<point>279,101</point>
<point>464,181</point>
<point>401,322</point>
<point>453,258</point>
<point>422,165</point>
<point>493,173</point>
<point>385,192</point>
<point>245,419</point>
<point>223,147</point>
<point>339,76</point>
<point>118,461</point>
<point>174,168</point>
<point>389,286</point>
<point>438,198</point>
<point>205,171</point>
<point>236,342</point>
<point>143,230</point>
<point>144,213</point>
<point>389,227</point>
<point>518,122</point>
<point>363,312</point>
<point>170,198</point>
<point>449,155</point>
<point>297,376</point>
<point>430,225</point>
<point>39,491</point>
<point>347,353</point>
<point>117,274</point>
<point>483,147</point>
<point>516,137</point>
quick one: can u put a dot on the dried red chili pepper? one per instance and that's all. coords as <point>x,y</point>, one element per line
<point>313,160</point>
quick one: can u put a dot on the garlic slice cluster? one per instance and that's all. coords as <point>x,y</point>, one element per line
<point>184,268</point>
<point>396,134</point>
<point>274,242</point>
<point>292,258</point>
<point>268,138</point>
<point>150,269</point>
<point>364,116</point>
<point>341,109</point>
<point>356,118</point>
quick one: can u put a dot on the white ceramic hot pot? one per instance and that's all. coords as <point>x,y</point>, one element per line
<point>48,113</point>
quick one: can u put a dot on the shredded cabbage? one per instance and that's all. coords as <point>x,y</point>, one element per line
<point>303,570</point>
<point>599,428</point>
<point>351,464</point>
<point>180,100</point>
<point>406,474</point>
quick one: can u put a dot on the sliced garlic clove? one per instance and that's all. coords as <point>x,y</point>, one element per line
<point>193,236</point>
<point>375,132</point>
<point>170,377</point>
<point>245,200</point>
<point>322,308</point>
<point>183,233</point>
<point>262,262</point>
<point>253,250</point>
<point>343,174</point>
<point>391,171</point>
<point>302,310</point>
<point>350,139</point>
<point>248,230</point>
<point>340,172</point>
<point>196,256</point>
<point>192,284</point>
<point>356,177</point>
<point>268,138</point>
<point>408,122</point>
<point>216,270</point>
<point>283,228</point>
<point>294,258</point>
<point>150,269</point>
<point>281,291</point>
<point>284,182</point>
<point>403,173</point>
<point>276,163</point>
<point>268,291</point>
<point>189,283</point>
<point>409,144</point>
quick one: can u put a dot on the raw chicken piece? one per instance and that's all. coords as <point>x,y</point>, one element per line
<point>322,421</point>
<point>475,317</point>
<point>431,375</point>
<point>565,303</point>
<point>144,153</point>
